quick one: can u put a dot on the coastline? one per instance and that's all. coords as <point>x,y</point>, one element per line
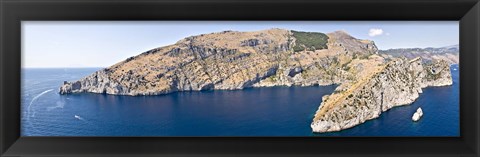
<point>442,110</point>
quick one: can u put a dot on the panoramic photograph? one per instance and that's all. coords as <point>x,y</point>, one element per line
<point>240,78</point>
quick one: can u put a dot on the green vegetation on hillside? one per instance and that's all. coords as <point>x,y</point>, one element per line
<point>310,41</point>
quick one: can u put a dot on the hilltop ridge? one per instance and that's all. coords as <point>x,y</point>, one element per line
<point>227,60</point>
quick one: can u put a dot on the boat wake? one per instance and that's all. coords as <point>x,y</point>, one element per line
<point>29,108</point>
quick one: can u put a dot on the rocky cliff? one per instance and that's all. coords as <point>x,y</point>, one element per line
<point>395,83</point>
<point>230,60</point>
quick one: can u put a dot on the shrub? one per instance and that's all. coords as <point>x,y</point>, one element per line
<point>309,41</point>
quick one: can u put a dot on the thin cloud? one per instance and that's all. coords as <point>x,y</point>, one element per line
<point>375,32</point>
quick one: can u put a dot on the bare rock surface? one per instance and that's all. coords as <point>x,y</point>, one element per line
<point>417,115</point>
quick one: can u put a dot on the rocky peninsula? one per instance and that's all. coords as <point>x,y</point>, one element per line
<point>398,82</point>
<point>369,83</point>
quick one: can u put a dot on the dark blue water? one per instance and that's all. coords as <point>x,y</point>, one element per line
<point>276,111</point>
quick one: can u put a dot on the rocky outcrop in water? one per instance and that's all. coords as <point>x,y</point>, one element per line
<point>417,115</point>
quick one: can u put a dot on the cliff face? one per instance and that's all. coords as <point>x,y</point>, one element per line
<point>396,83</point>
<point>227,60</point>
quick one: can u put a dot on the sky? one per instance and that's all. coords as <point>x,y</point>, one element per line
<point>67,44</point>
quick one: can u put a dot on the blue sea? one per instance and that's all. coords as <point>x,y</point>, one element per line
<point>274,111</point>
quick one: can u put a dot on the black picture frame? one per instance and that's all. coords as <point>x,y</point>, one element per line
<point>12,12</point>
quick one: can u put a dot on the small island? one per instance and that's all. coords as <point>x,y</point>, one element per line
<point>369,81</point>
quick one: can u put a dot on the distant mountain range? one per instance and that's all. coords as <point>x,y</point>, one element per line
<point>448,53</point>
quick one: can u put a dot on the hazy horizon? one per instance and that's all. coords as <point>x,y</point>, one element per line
<point>73,44</point>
